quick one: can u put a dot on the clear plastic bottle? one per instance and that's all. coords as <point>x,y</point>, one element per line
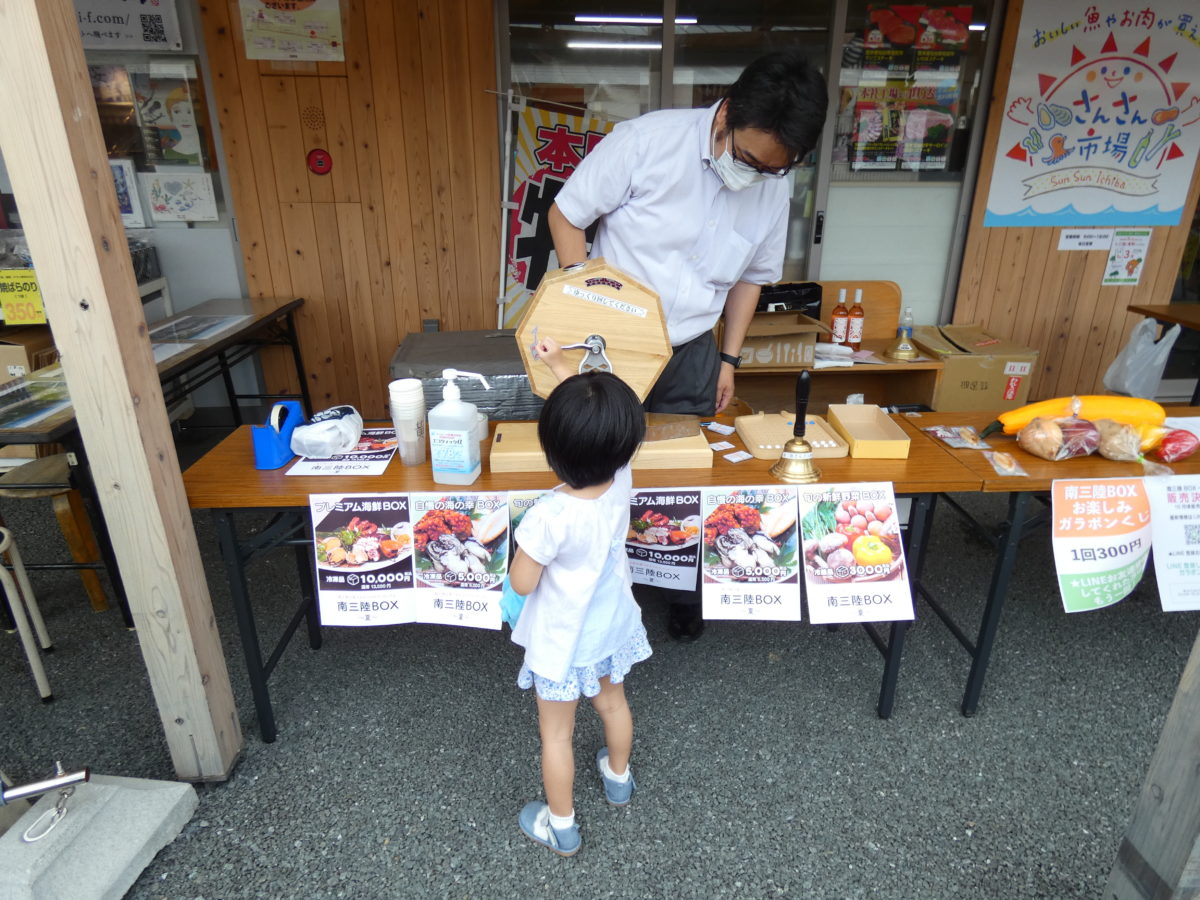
<point>840,319</point>
<point>854,330</point>
<point>453,433</point>
<point>906,324</point>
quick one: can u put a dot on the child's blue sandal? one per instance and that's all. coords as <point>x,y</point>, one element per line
<point>619,793</point>
<point>535,821</point>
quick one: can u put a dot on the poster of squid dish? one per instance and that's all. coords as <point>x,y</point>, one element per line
<point>1101,124</point>
<point>749,560</point>
<point>854,568</point>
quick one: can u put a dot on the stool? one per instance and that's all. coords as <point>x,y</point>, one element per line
<point>68,509</point>
<point>21,601</point>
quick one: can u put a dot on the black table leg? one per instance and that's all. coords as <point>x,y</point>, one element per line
<point>918,531</point>
<point>304,566</point>
<point>235,405</point>
<point>236,572</point>
<point>1010,540</point>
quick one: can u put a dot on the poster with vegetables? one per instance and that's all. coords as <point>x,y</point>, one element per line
<point>362,544</point>
<point>1101,539</point>
<point>460,553</point>
<point>1175,529</point>
<point>749,555</point>
<point>663,544</point>
<point>854,566</point>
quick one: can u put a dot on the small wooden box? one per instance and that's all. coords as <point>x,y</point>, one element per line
<point>764,435</point>
<point>515,448</point>
<point>869,431</point>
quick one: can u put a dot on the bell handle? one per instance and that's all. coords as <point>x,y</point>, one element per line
<point>803,387</point>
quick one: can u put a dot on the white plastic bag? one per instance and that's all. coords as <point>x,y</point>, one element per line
<point>333,431</point>
<point>1138,368</point>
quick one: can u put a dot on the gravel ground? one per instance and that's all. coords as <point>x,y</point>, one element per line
<point>405,753</point>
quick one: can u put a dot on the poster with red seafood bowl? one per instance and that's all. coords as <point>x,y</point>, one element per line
<point>749,558</point>
<point>362,545</point>
<point>460,557</point>
<point>854,568</point>
<point>663,542</point>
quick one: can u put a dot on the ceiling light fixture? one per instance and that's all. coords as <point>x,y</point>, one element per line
<point>614,45</point>
<point>979,27</point>
<point>630,20</point>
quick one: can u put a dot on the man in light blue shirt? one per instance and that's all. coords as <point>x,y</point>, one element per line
<point>694,203</point>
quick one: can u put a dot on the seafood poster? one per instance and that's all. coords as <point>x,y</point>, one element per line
<point>926,38</point>
<point>749,557</point>
<point>854,566</point>
<point>1175,510</point>
<point>1101,124</point>
<point>363,546</point>
<point>1101,539</point>
<point>663,544</point>
<point>370,456</point>
<point>460,557</point>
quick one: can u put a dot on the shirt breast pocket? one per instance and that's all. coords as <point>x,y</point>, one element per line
<point>729,261</point>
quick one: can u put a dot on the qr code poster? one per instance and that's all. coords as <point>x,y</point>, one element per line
<point>1175,508</point>
<point>128,24</point>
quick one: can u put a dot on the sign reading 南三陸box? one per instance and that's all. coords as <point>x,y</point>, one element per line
<point>749,557</point>
<point>664,537</point>
<point>1101,124</point>
<point>546,149</point>
<point>1175,503</point>
<point>1101,540</point>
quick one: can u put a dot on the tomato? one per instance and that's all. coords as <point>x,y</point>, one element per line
<point>869,550</point>
<point>849,531</point>
<point>883,512</point>
<point>866,506</point>
<point>859,522</point>
<point>842,517</point>
<point>874,527</point>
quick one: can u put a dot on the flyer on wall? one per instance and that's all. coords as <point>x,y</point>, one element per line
<point>370,456</point>
<point>663,543</point>
<point>460,553</point>
<point>1175,517</point>
<point>749,557</point>
<point>854,566</point>
<point>362,544</point>
<point>1101,539</point>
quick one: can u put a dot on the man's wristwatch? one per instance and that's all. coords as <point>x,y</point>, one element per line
<point>734,361</point>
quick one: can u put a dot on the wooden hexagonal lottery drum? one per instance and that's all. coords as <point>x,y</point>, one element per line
<point>573,305</point>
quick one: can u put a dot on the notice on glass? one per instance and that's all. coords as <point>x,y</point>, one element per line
<point>1127,256</point>
<point>854,568</point>
<point>1175,509</point>
<point>293,29</point>
<point>21,298</point>
<point>663,543</point>
<point>363,546</point>
<point>460,546</point>
<point>370,456</point>
<point>122,25</point>
<point>1101,540</point>
<point>749,555</point>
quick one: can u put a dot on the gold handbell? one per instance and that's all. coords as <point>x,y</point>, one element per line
<point>796,463</point>
<point>902,348</point>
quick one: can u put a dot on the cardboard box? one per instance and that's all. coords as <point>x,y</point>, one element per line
<point>869,431</point>
<point>982,371</point>
<point>23,349</point>
<point>780,339</point>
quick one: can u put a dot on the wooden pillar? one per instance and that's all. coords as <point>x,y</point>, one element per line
<point>54,153</point>
<point>1160,855</point>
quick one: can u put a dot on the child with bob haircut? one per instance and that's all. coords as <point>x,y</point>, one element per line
<point>580,626</point>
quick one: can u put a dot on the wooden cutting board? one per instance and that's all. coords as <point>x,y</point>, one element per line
<point>515,448</point>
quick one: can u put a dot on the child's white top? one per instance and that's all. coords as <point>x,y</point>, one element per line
<point>565,622</point>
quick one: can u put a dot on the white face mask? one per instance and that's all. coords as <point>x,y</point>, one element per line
<point>734,174</point>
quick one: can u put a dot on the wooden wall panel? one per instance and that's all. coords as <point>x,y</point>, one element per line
<point>1018,284</point>
<point>406,226</point>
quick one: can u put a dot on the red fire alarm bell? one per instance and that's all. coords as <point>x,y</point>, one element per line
<point>320,162</point>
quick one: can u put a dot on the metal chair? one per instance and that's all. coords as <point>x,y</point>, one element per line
<point>24,608</point>
<point>51,475</point>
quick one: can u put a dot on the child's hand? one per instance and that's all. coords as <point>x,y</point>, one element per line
<point>551,353</point>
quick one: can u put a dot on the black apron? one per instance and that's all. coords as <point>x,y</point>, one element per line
<point>688,384</point>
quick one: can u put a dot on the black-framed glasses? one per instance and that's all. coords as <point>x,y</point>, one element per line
<point>740,159</point>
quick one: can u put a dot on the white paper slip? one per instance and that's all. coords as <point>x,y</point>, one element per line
<point>721,445</point>
<point>738,456</point>
<point>719,428</point>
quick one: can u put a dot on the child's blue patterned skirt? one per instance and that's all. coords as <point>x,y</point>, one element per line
<point>585,680</point>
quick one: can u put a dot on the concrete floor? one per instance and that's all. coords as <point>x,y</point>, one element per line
<point>405,753</point>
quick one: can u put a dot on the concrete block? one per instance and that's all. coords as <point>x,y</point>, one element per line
<point>113,828</point>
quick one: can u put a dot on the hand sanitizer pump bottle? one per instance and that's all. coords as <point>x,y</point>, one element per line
<point>453,439</point>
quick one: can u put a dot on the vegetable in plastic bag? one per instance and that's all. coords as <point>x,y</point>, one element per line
<point>1176,445</point>
<point>1056,439</point>
<point>1118,441</point>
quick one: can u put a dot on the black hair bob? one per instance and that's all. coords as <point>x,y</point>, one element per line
<point>783,94</point>
<point>590,426</point>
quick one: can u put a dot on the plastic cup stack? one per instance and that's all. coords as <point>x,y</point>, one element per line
<point>406,400</point>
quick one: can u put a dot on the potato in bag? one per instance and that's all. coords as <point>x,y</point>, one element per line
<point>1056,439</point>
<point>1118,441</point>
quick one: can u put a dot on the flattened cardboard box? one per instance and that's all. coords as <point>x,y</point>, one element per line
<point>780,339</point>
<point>982,371</point>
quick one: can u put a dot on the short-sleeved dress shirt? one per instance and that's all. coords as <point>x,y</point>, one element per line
<point>667,219</point>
